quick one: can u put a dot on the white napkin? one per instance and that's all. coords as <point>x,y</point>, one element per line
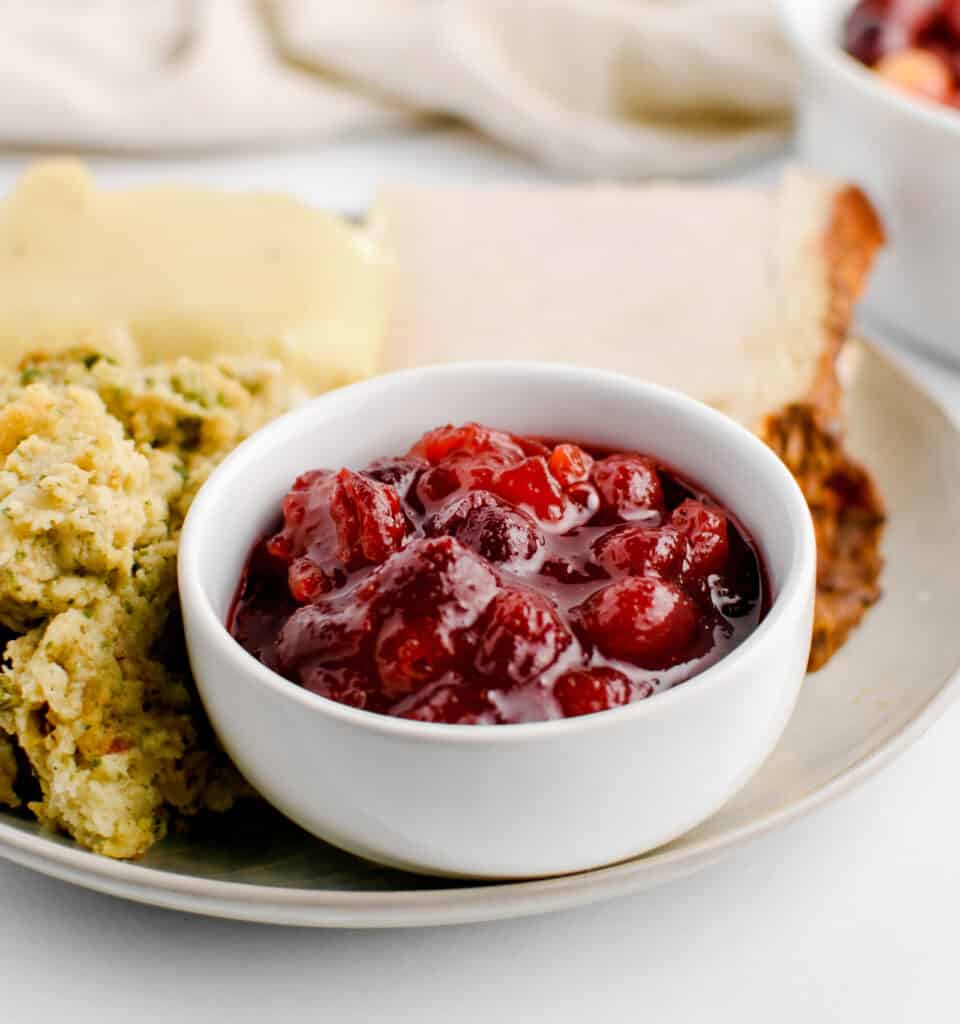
<point>613,88</point>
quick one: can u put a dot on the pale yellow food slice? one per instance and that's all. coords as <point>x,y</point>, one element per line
<point>167,270</point>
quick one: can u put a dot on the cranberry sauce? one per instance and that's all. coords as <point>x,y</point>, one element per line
<point>912,45</point>
<point>488,578</point>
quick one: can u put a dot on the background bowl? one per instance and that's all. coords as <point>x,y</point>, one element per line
<point>904,153</point>
<point>511,800</point>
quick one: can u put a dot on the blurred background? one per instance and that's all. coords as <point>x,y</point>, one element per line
<point>611,88</point>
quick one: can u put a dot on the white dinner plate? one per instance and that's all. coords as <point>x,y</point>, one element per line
<point>879,694</point>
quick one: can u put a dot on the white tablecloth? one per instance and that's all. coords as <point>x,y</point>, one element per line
<point>848,916</point>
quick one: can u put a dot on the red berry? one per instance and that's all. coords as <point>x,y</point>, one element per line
<point>531,484</point>
<point>586,690</point>
<point>307,582</point>
<point>875,29</point>
<point>329,630</point>
<point>639,550</point>
<point>369,519</point>
<point>307,481</point>
<point>411,652</point>
<point>629,487</point>
<point>522,637</point>
<point>640,619</point>
<point>469,439</point>
<point>306,519</point>
<point>458,473</point>
<point>570,464</point>
<point>332,520</point>
<point>436,576</point>
<point>704,533</point>
<point>489,526</point>
<point>865,30</point>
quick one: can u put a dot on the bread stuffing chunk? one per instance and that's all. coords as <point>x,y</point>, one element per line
<point>98,465</point>
<point>191,412</point>
<point>113,737</point>
<point>75,494</point>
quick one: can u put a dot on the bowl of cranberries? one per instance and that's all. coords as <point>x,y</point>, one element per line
<point>878,104</point>
<point>499,620</point>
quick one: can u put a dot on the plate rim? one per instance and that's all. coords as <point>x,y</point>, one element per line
<point>331,908</point>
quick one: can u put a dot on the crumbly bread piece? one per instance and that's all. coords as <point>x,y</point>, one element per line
<point>114,737</point>
<point>98,465</point>
<point>185,414</point>
<point>160,271</point>
<point>738,295</point>
<point>74,497</point>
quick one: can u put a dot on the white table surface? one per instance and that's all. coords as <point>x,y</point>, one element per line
<point>849,915</point>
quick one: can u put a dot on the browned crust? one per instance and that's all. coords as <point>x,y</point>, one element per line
<point>851,241</point>
<point>848,511</point>
<point>848,519</point>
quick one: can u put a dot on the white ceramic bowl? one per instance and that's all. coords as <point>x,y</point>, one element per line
<point>500,801</point>
<point>905,153</point>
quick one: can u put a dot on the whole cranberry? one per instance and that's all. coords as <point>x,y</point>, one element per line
<point>865,30</point>
<point>630,488</point>
<point>369,519</point>
<point>486,524</point>
<point>306,520</point>
<point>470,439</point>
<point>412,652</point>
<point>584,691</point>
<point>435,576</point>
<point>639,550</point>
<point>875,29</point>
<point>570,465</point>
<point>704,533</point>
<point>641,619</point>
<point>307,581</point>
<point>329,630</point>
<point>530,483</point>
<point>522,636</point>
<point>332,520</point>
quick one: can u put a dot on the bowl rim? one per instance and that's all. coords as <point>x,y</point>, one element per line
<point>831,56</point>
<point>791,601</point>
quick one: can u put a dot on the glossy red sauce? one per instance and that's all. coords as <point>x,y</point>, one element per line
<point>487,578</point>
<point>913,45</point>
